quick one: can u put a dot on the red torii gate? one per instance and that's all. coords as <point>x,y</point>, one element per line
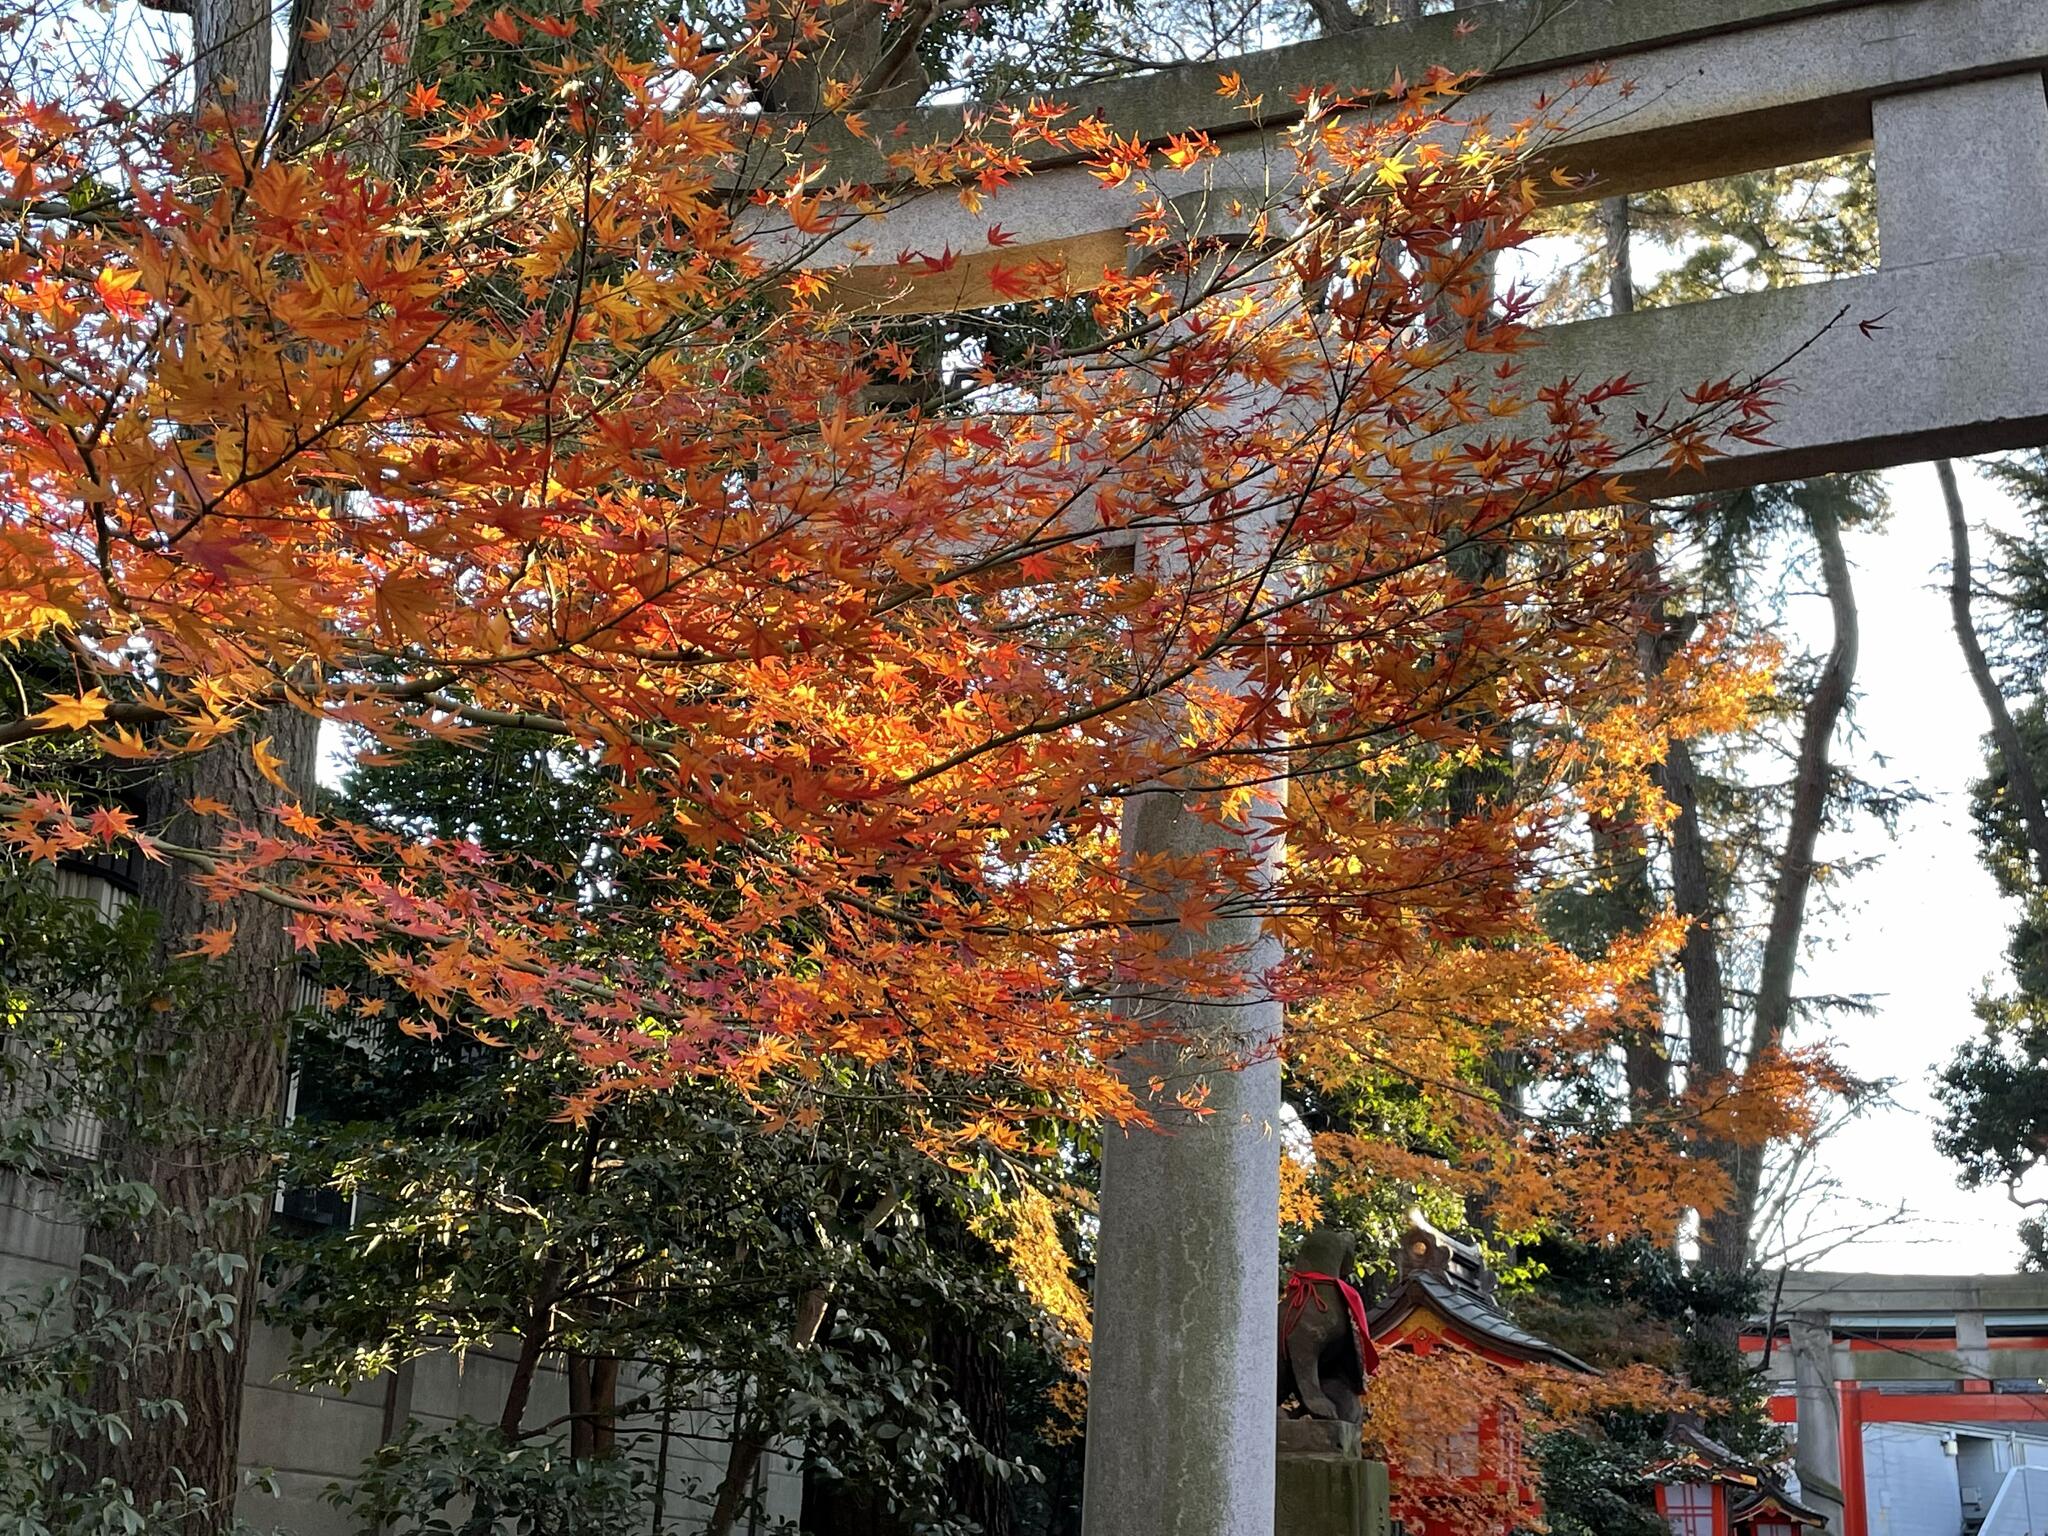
<point>1849,1350</point>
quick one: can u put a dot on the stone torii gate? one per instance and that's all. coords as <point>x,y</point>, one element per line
<point>1948,93</point>
<point>1843,1351</point>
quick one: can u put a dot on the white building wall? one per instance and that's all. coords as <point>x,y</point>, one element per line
<point>1913,1486</point>
<point>1909,1481</point>
<point>2021,1508</point>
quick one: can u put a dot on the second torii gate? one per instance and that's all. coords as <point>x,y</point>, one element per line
<point>1938,352</point>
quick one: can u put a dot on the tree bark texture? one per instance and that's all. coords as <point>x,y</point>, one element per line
<point>1621,854</point>
<point>975,1370</point>
<point>865,46</point>
<point>230,55</point>
<point>1621,277</point>
<point>593,1405</point>
<point>221,1066</point>
<point>364,59</point>
<point>209,1073</point>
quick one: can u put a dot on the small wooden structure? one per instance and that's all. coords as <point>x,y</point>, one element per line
<point>1445,1300</point>
<point>1707,1490</point>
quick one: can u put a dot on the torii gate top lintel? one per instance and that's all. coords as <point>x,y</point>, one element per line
<point>1948,93</point>
<point>1505,40</point>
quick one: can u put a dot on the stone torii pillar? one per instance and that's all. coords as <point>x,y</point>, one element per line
<point>1181,1390</point>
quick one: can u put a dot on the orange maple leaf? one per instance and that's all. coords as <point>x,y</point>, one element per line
<point>268,762</point>
<point>124,743</point>
<point>117,291</point>
<point>213,943</point>
<point>76,714</point>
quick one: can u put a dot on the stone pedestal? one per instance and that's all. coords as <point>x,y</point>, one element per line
<point>1315,1437</point>
<point>1330,1496</point>
<point>1322,1487</point>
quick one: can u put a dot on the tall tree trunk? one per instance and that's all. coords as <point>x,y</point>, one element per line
<point>975,1371</point>
<point>1725,1238</point>
<point>2021,782</point>
<point>1621,276</point>
<point>1692,896</point>
<point>214,1071</point>
<point>593,1405</point>
<point>360,51</point>
<point>1621,857</point>
<point>872,48</point>
<point>208,1072</point>
<point>230,54</point>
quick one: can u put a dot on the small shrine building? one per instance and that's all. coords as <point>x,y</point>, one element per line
<point>1445,1300</point>
<point>1707,1490</point>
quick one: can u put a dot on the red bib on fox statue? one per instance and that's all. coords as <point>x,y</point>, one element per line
<point>1326,1348</point>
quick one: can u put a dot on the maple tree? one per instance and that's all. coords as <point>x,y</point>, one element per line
<point>566,431</point>
<point>640,514</point>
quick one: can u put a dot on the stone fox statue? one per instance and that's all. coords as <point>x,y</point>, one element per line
<point>1326,1349</point>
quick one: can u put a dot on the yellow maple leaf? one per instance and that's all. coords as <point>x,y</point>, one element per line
<point>268,762</point>
<point>76,714</point>
<point>123,743</point>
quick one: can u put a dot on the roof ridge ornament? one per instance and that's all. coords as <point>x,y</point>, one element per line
<point>1429,1250</point>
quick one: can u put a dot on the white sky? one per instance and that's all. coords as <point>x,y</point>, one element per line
<point>1928,927</point>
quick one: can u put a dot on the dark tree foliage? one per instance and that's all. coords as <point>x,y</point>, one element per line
<point>1631,1303</point>
<point>1994,1094</point>
<point>789,1249</point>
<point>2018,574</point>
<point>1994,1090</point>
